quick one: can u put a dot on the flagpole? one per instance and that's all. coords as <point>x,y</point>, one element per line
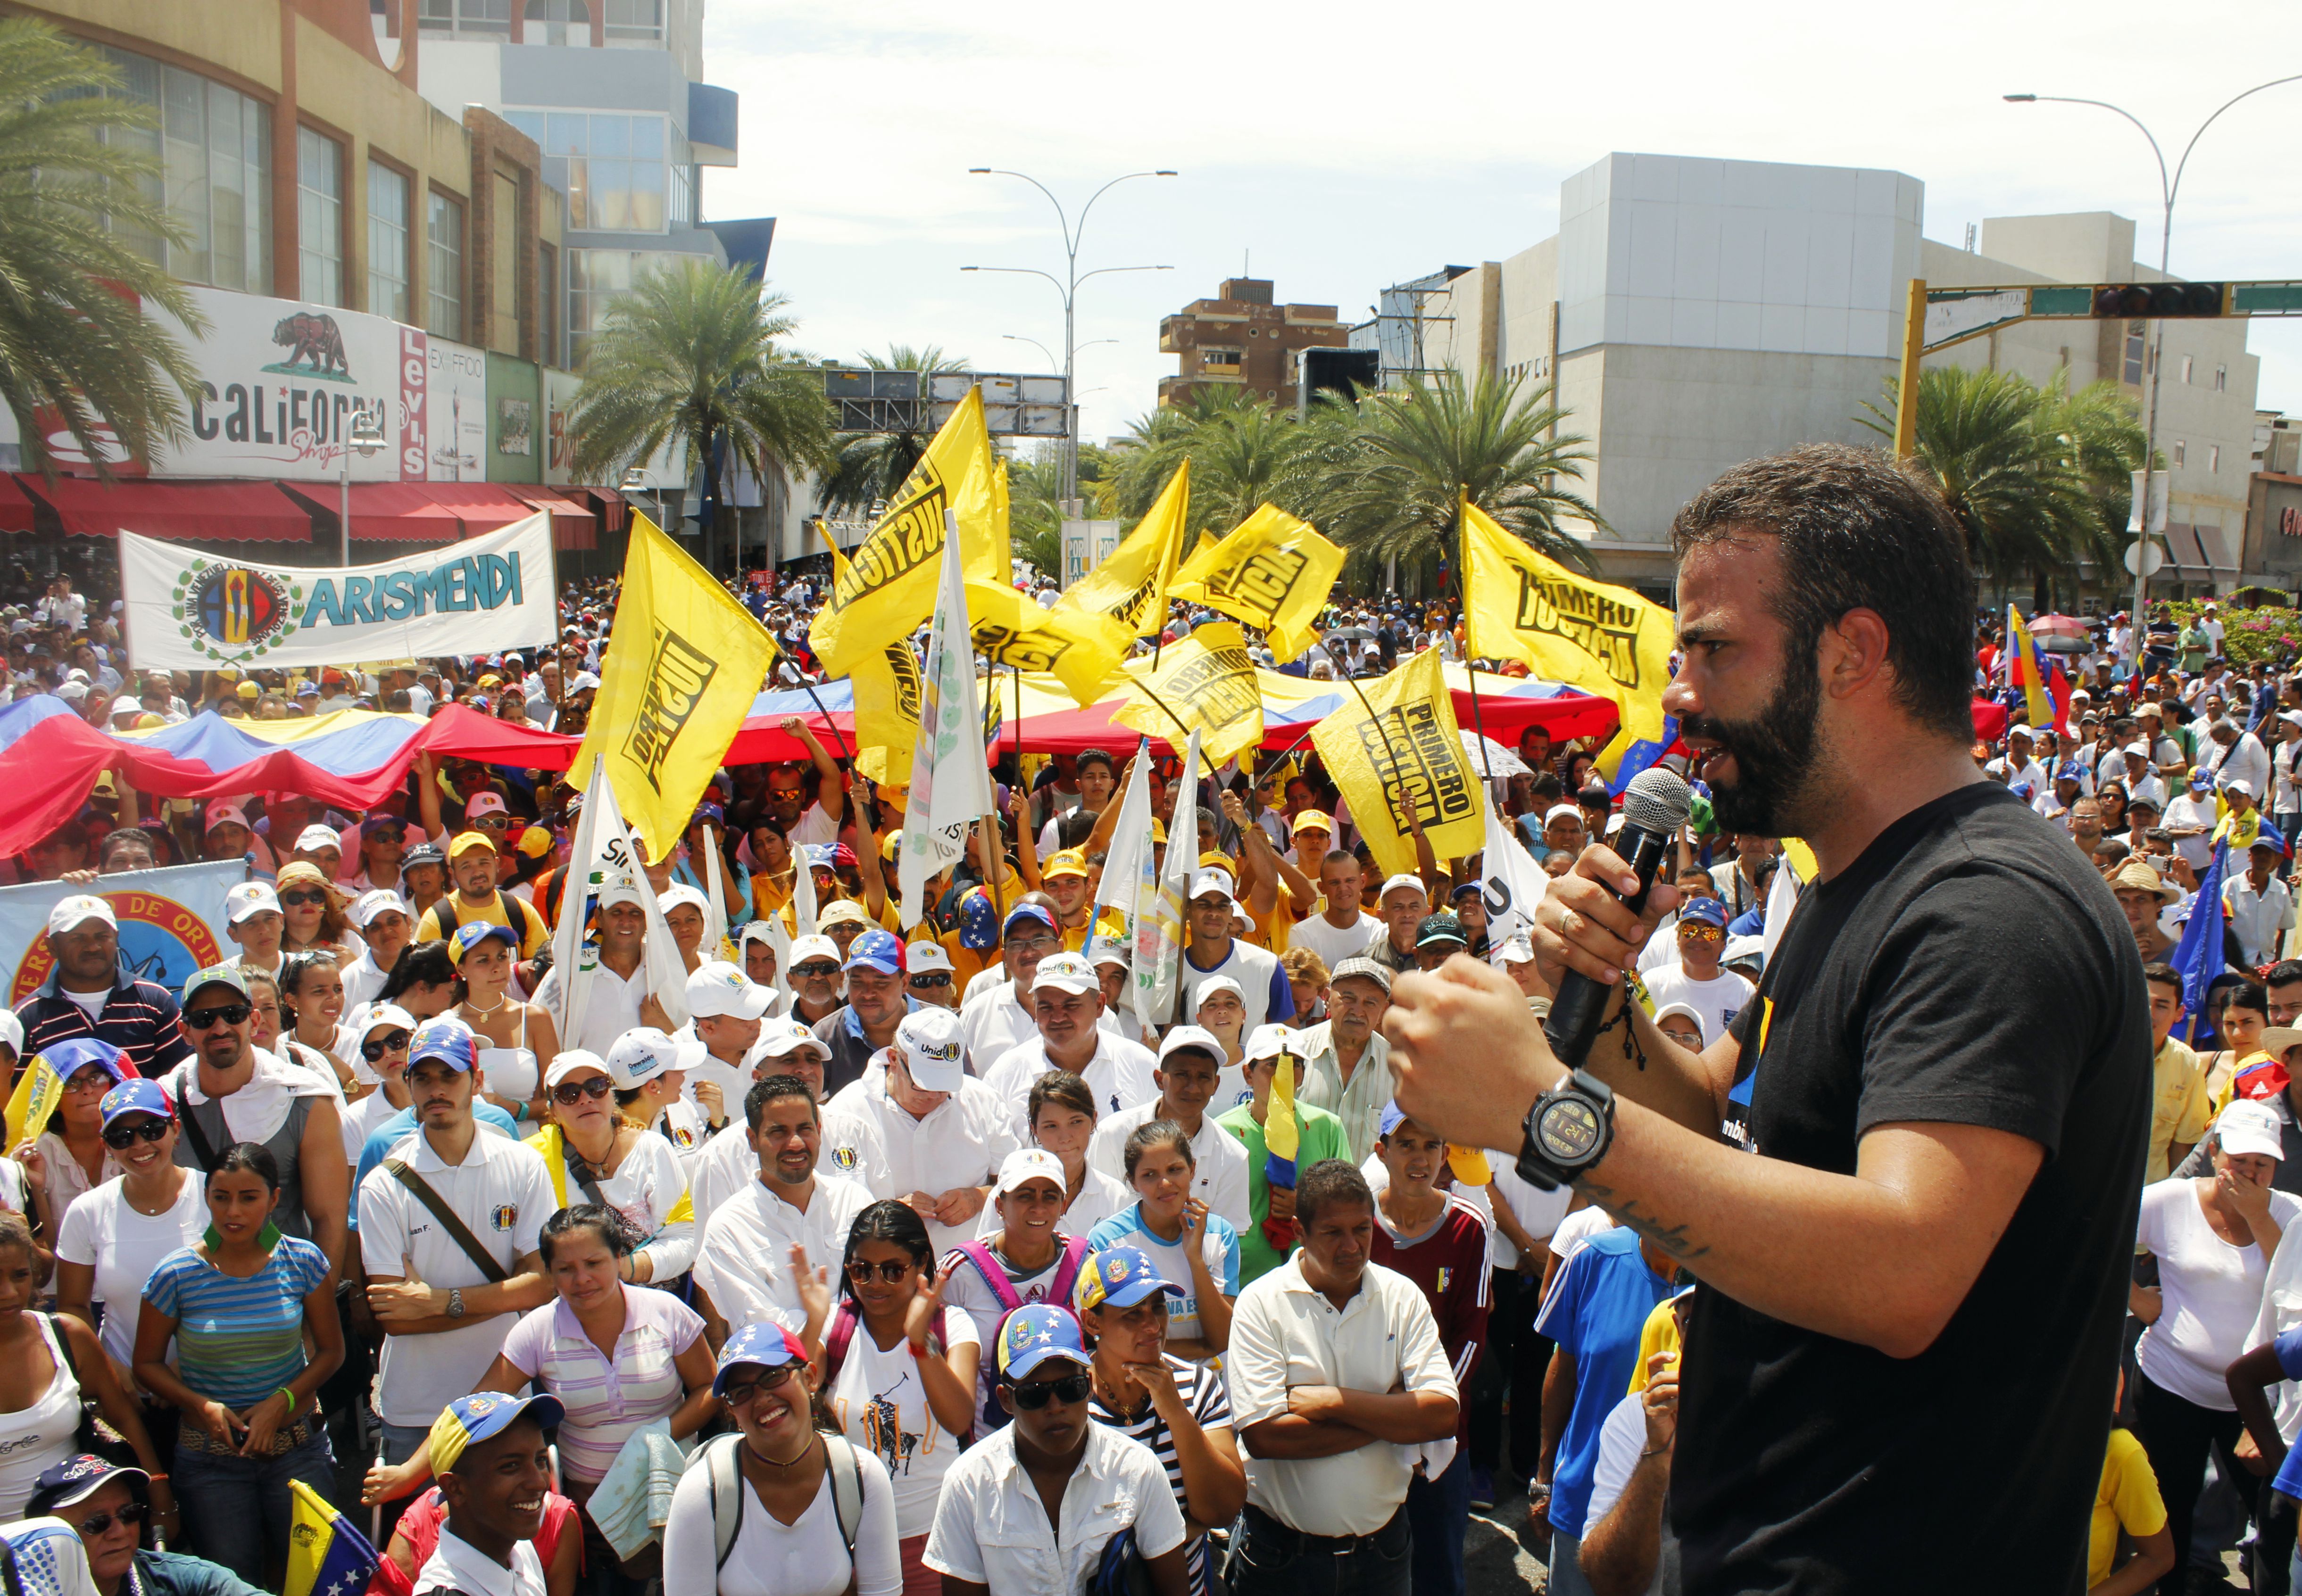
<point>828,724</point>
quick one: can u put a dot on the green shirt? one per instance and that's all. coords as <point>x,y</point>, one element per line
<point>2198,646</point>
<point>1323,1138</point>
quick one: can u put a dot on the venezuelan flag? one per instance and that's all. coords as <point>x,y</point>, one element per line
<point>2027,673</point>
<point>326,1556</point>
<point>1282,1138</point>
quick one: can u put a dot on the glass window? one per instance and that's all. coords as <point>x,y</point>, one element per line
<point>2222,379</point>
<point>547,300</point>
<point>595,277</point>
<point>634,20</point>
<point>558,23</point>
<point>213,145</point>
<point>445,19</point>
<point>387,241</point>
<point>619,168</point>
<point>530,122</point>
<point>444,235</point>
<point>2188,361</point>
<point>2181,449</point>
<point>2135,334</point>
<point>2213,457</point>
<point>320,216</point>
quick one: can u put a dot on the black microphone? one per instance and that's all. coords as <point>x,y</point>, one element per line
<point>1655,805</point>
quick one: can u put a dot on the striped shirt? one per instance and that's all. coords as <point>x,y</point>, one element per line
<point>606,1401</point>
<point>238,1341</point>
<point>1205,1399</point>
<point>139,1019</point>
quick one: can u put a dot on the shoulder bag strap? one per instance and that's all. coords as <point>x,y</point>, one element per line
<point>847,1489</point>
<point>726,1494</point>
<point>1059,1289</point>
<point>457,1231</point>
<point>202,1150</point>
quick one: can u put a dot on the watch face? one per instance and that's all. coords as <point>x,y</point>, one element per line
<point>1567,1130</point>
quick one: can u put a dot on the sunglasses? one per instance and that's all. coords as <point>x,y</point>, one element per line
<point>1701,932</point>
<point>891,1269</point>
<point>934,982</point>
<point>230,1013</point>
<point>126,1513</point>
<point>494,822</point>
<point>570,1093</point>
<point>122,1137</point>
<point>1070,1390</point>
<point>738,1393</point>
<point>813,970</point>
<point>302,900</point>
<point>391,1041</point>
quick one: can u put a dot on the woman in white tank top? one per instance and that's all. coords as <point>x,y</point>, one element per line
<point>513,1035</point>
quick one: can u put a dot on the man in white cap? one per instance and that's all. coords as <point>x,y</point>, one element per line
<point>87,993</point>
<point>2261,906</point>
<point>725,1007</point>
<point>1190,1061</point>
<point>850,1144</point>
<point>929,978</point>
<point>1000,1018</point>
<point>1404,903</point>
<point>253,920</point>
<point>755,944</point>
<point>2235,754</point>
<point>385,926</point>
<point>1346,1058</point>
<point>319,845</point>
<point>619,999</point>
<point>818,984</point>
<point>1114,967</point>
<point>1066,1006</point>
<point>942,1133</point>
<point>1215,950</point>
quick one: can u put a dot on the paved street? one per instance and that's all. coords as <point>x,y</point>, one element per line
<point>1496,1561</point>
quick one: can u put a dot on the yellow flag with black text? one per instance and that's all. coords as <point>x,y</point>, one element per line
<point>684,664</point>
<point>1404,759</point>
<point>1010,628</point>
<point>1272,571</point>
<point>1130,587</point>
<point>886,683</point>
<point>888,586</point>
<point>1205,682</point>
<point>1519,604</point>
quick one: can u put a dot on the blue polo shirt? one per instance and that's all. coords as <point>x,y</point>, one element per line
<point>2288,1347</point>
<point>1596,1308</point>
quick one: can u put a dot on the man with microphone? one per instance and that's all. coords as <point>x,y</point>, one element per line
<point>1913,1291</point>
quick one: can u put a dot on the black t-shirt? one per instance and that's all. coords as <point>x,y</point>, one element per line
<point>1969,967</point>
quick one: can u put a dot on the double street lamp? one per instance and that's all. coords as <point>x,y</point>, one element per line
<point>1068,286</point>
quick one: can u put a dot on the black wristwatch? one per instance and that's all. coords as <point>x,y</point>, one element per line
<point>1567,1131</point>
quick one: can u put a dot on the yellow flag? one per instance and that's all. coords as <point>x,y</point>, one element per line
<point>1272,572</point>
<point>1605,639</point>
<point>685,663</point>
<point>886,686</point>
<point>1405,758</point>
<point>1204,680</point>
<point>888,584</point>
<point>1130,587</point>
<point>38,1091</point>
<point>1010,629</point>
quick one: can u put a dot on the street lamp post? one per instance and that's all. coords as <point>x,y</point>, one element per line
<point>366,436</point>
<point>1068,286</point>
<point>638,480</point>
<point>2168,187</point>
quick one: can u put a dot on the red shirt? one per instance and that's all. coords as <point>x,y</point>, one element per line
<point>1449,1264</point>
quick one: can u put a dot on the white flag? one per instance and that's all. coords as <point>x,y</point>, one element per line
<point>602,860</point>
<point>1125,863</point>
<point>1510,881</point>
<point>1782,897</point>
<point>951,782</point>
<point>804,908</point>
<point>1159,923</point>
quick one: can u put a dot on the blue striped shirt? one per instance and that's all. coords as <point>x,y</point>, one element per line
<point>238,1341</point>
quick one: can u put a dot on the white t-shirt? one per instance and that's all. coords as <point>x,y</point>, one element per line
<point>2184,813</point>
<point>1718,1000</point>
<point>2213,1292</point>
<point>1334,943</point>
<point>1253,968</point>
<point>1578,1227</point>
<point>881,1403</point>
<point>1622,1437</point>
<point>804,1558</point>
<point>104,1229</point>
<point>1119,1075</point>
<point>1539,1213</point>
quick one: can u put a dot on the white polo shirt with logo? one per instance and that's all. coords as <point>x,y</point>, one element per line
<point>503,1193</point>
<point>959,1142</point>
<point>990,1529</point>
<point>1119,1075</point>
<point>728,1162</point>
<point>745,1261</point>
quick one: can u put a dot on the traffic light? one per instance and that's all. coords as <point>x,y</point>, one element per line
<point>2144,301</point>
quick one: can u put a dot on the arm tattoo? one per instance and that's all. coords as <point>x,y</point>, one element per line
<point>1673,1238</point>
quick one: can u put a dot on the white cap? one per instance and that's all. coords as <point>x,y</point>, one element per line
<point>1030,1164</point>
<point>79,909</point>
<point>1269,1041</point>
<point>226,814</point>
<point>814,945</point>
<point>1214,984</point>
<point>316,836</point>
<point>583,678</point>
<point>680,893</point>
<point>1739,949</point>
<point>839,912</point>
<point>1514,950</point>
<point>2139,750</point>
<point>934,1049</point>
<point>2247,1126</point>
<point>929,955</point>
<point>1213,883</point>
<point>779,1037</point>
<point>485,802</point>
<point>369,1015</point>
<point>1562,812</point>
<point>1679,1011</point>
<point>717,990</point>
<point>375,901</point>
<point>623,887</point>
<point>1066,972</point>
<point>1404,879</point>
<point>11,1031</point>
<point>1192,1036</point>
<point>575,1060</point>
<point>2239,787</point>
<point>249,898</point>
<point>1110,953</point>
<point>643,1053</point>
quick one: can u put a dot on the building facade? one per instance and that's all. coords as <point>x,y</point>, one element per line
<point>1240,339</point>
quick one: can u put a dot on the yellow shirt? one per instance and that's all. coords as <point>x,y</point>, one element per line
<point>1659,1333</point>
<point>2128,1499</point>
<point>2182,1111</point>
<point>531,929</point>
<point>1075,936</point>
<point>768,895</point>
<point>1270,932</point>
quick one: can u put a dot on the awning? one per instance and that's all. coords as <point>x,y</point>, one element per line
<point>387,512</point>
<point>177,511</point>
<point>15,509</point>
<point>573,524</point>
<point>482,507</point>
<point>608,502</point>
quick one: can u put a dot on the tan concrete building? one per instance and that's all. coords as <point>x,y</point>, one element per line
<point>1241,338</point>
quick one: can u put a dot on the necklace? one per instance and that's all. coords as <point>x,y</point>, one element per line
<point>797,1458</point>
<point>498,1004</point>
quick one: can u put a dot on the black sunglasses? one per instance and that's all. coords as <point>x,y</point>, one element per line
<point>298,900</point>
<point>933,980</point>
<point>391,1041</point>
<point>126,1513</point>
<point>1071,1389</point>
<point>891,1269</point>
<point>811,970</point>
<point>570,1093</point>
<point>738,1393</point>
<point>124,1137</point>
<point>230,1013</point>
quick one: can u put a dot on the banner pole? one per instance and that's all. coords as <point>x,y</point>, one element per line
<point>845,752</point>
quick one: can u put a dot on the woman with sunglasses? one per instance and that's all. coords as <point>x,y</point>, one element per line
<point>379,1032</point>
<point>512,1033</point>
<point>315,919</point>
<point>1195,1248</point>
<point>789,1541</point>
<point>115,1236</point>
<point>69,1158</point>
<point>595,1155</point>
<point>618,1359</point>
<point>897,1367</point>
<point>111,1507</point>
<point>241,1304</point>
<point>312,1005</point>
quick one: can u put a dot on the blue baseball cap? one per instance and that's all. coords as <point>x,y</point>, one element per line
<point>979,925</point>
<point>451,1041</point>
<point>483,1415</point>
<point>818,855</point>
<point>1023,912</point>
<point>1031,1335</point>
<point>1392,1118</point>
<point>1708,911</point>
<point>2070,771</point>
<point>2268,837</point>
<point>68,1058</point>
<point>1120,1277</point>
<point>468,937</point>
<point>138,1095</point>
<point>877,950</point>
<point>765,1345</point>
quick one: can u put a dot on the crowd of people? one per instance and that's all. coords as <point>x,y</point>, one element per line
<point>905,1256</point>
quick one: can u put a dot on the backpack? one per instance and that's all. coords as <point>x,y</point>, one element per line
<point>726,1482</point>
<point>514,912</point>
<point>841,1332</point>
<point>1059,1294</point>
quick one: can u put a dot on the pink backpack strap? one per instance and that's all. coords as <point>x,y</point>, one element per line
<point>1059,1289</point>
<point>978,1254</point>
<point>836,1336</point>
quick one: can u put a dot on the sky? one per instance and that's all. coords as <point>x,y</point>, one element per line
<point>1341,147</point>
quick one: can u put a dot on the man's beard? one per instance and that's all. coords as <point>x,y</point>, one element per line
<point>1774,756</point>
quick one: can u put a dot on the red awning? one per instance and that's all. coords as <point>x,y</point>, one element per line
<point>609,503</point>
<point>394,512</point>
<point>573,524</point>
<point>483,506</point>
<point>15,509</point>
<point>178,511</point>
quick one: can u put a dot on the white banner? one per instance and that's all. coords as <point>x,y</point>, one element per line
<point>951,784</point>
<point>601,859</point>
<point>172,923</point>
<point>191,611</point>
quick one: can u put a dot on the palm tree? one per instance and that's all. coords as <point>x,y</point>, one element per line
<point>1390,478</point>
<point>71,342</point>
<point>1034,521</point>
<point>870,468</point>
<point>2026,491</point>
<point>692,355</point>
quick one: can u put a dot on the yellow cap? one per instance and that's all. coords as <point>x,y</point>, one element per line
<point>466,841</point>
<point>250,690</point>
<point>1158,829</point>
<point>1312,819</point>
<point>1071,861</point>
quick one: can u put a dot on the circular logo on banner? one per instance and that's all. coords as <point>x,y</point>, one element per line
<point>233,613</point>
<point>163,940</point>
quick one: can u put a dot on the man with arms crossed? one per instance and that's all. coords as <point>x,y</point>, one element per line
<point>1914,1291</point>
